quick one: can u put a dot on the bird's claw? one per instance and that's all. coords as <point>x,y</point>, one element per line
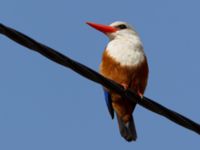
<point>140,94</point>
<point>125,86</point>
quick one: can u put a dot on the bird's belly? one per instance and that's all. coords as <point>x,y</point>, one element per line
<point>115,71</point>
<point>134,76</point>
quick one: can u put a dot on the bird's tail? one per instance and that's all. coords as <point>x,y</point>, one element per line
<point>127,130</point>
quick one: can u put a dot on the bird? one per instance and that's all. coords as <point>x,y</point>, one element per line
<point>123,61</point>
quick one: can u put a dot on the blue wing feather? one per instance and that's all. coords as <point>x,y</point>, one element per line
<point>109,103</point>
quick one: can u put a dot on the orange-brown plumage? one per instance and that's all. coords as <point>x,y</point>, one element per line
<point>133,76</point>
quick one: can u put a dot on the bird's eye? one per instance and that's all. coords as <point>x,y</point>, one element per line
<point>122,26</point>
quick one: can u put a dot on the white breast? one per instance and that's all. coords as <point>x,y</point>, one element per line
<point>128,51</point>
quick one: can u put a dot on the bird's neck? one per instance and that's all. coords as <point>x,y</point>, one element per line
<point>127,50</point>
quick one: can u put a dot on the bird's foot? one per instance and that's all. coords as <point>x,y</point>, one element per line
<point>125,86</point>
<point>140,94</point>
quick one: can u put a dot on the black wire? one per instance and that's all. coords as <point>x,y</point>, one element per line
<point>96,77</point>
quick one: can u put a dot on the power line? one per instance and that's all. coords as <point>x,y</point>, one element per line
<point>90,74</point>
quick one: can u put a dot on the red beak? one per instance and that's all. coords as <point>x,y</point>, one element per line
<point>103,28</point>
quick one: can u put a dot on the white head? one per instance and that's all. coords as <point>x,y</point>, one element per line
<point>123,29</point>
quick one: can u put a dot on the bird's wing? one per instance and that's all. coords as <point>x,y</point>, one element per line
<point>109,103</point>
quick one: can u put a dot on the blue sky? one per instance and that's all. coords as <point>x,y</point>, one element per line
<point>45,106</point>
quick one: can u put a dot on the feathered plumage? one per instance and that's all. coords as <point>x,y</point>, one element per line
<point>124,62</point>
